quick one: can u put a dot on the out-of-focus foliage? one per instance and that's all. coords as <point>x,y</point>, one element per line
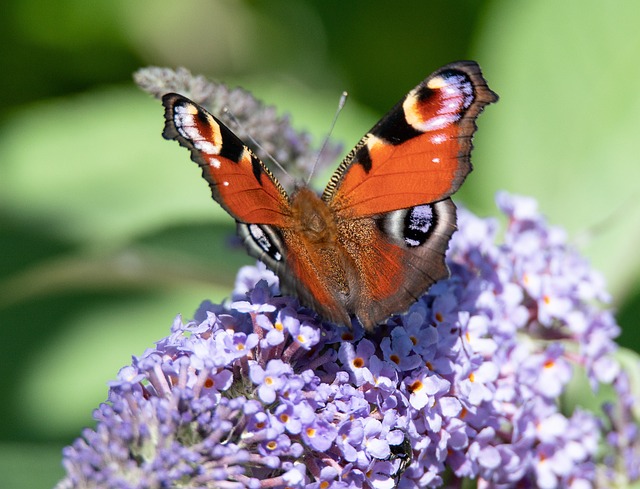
<point>107,232</point>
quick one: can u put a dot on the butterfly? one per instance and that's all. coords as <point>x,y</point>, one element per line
<point>375,240</point>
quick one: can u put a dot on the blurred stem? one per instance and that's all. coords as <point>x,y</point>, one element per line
<point>137,268</point>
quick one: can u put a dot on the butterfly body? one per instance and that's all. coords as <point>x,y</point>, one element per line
<point>375,240</point>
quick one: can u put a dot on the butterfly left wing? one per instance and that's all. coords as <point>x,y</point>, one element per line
<point>239,181</point>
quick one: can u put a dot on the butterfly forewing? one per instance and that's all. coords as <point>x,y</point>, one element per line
<point>239,181</point>
<point>419,152</point>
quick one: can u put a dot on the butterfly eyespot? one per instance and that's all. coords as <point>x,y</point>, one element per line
<point>452,91</point>
<point>418,224</point>
<point>412,227</point>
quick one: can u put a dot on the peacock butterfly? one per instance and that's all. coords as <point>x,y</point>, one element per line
<point>375,240</point>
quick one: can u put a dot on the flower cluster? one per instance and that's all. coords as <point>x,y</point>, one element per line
<point>249,118</point>
<point>466,385</point>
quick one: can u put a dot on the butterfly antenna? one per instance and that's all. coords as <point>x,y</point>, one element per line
<point>343,100</point>
<point>256,143</point>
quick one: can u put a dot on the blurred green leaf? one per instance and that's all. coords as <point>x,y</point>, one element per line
<point>40,22</point>
<point>30,466</point>
<point>94,168</point>
<point>22,245</point>
<point>565,129</point>
<point>167,261</point>
<point>630,362</point>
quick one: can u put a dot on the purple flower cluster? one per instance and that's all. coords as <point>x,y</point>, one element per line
<point>465,385</point>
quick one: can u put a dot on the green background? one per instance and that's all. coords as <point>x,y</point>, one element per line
<point>107,231</point>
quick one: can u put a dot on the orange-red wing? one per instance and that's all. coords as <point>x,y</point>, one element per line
<point>419,152</point>
<point>239,181</point>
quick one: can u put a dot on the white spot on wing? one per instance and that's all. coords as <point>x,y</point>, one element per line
<point>451,91</point>
<point>205,146</point>
<point>438,139</point>
<point>438,122</point>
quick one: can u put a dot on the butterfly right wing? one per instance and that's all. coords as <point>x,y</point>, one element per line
<point>239,181</point>
<point>419,152</point>
<point>390,195</point>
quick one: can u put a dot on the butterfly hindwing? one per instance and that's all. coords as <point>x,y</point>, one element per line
<point>419,152</point>
<point>239,181</point>
<point>402,258</point>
